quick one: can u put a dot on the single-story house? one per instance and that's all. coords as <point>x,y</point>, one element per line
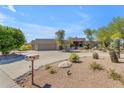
<point>50,44</point>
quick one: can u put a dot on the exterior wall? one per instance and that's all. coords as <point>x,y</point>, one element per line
<point>44,44</point>
<point>49,44</point>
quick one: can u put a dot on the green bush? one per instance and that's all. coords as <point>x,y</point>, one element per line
<point>95,66</point>
<point>73,57</point>
<point>25,47</point>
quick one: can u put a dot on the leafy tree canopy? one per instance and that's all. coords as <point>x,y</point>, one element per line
<point>60,37</point>
<point>116,28</point>
<point>89,34</point>
<point>10,38</point>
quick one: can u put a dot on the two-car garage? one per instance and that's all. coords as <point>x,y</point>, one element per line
<point>44,44</point>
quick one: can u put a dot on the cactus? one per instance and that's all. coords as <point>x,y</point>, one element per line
<point>95,55</point>
<point>113,56</point>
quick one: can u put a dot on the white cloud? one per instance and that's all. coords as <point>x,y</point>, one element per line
<point>3,17</point>
<point>34,31</point>
<point>11,8</point>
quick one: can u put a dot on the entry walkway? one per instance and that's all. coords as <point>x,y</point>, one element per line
<point>6,81</point>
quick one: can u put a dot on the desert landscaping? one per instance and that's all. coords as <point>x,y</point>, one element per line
<point>80,74</point>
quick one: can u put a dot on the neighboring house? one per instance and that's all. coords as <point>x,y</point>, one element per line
<point>50,44</point>
<point>78,42</point>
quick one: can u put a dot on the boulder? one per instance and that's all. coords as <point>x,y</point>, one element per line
<point>64,64</point>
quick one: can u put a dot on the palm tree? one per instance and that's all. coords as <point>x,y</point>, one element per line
<point>60,39</point>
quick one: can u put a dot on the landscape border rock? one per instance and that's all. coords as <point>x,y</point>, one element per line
<point>65,64</point>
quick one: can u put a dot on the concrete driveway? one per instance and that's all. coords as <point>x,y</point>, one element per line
<point>6,81</point>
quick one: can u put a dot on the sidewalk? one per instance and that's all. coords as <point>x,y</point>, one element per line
<point>6,81</point>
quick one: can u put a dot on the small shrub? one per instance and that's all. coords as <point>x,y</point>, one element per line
<point>25,47</point>
<point>95,55</point>
<point>73,57</point>
<point>47,67</point>
<point>94,66</point>
<point>52,71</point>
<point>114,75</point>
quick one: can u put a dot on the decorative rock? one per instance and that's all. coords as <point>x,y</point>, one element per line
<point>64,64</point>
<point>69,72</point>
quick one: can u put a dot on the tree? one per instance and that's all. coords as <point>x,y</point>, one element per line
<point>60,38</point>
<point>89,35</point>
<point>10,38</point>
<point>116,28</point>
<point>103,37</point>
<point>6,42</point>
<point>69,42</point>
<point>19,37</point>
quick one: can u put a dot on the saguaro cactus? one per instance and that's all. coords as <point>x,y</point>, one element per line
<point>113,56</point>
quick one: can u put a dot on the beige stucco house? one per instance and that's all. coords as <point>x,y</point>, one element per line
<point>50,44</point>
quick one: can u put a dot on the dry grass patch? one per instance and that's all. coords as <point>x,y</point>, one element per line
<point>114,75</point>
<point>47,67</point>
<point>52,71</point>
<point>95,66</point>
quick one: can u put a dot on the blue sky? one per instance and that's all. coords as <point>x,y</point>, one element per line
<point>44,21</point>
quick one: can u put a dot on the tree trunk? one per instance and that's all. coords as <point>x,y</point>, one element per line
<point>103,44</point>
<point>113,56</point>
<point>60,47</point>
<point>5,53</point>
